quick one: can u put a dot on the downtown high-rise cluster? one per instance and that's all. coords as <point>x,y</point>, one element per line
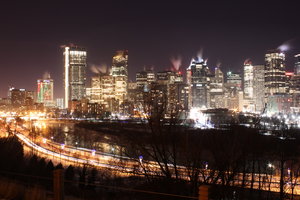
<point>265,88</point>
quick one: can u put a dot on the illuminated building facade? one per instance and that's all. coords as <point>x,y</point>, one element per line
<point>279,103</point>
<point>145,78</point>
<point>199,83</point>
<point>275,81</point>
<point>248,79</point>
<point>75,73</point>
<point>45,90</point>
<point>21,97</point>
<point>259,87</point>
<point>120,75</point>
<point>297,64</point>
<point>18,97</point>
<point>177,98</point>
<point>216,89</point>
<point>169,77</point>
<point>94,93</point>
<point>234,79</point>
<point>60,103</point>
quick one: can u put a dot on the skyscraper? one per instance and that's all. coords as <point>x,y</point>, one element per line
<point>169,77</point>
<point>120,75</point>
<point>258,87</point>
<point>75,73</point>
<point>145,78</point>
<point>198,75</point>
<point>120,63</point>
<point>234,79</point>
<point>45,90</point>
<point>274,72</point>
<point>248,79</point>
<point>216,92</point>
<point>21,97</point>
<point>297,64</point>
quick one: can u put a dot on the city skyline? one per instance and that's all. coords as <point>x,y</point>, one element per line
<point>227,34</point>
<point>119,99</point>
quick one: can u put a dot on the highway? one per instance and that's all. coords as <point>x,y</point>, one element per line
<point>121,165</point>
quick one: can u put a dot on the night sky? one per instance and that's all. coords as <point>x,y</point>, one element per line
<point>153,31</point>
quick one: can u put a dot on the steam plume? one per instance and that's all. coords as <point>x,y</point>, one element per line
<point>176,62</point>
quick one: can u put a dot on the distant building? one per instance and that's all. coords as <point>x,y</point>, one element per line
<point>279,103</point>
<point>234,79</point>
<point>248,79</point>
<point>120,75</point>
<point>289,82</point>
<point>60,103</point>
<point>132,85</point>
<point>259,87</point>
<point>233,97</point>
<point>18,97</point>
<point>94,93</point>
<point>293,87</point>
<point>21,97</point>
<point>145,78</point>
<point>169,77</point>
<point>75,64</point>
<point>275,81</point>
<point>297,64</point>
<point>197,75</point>
<point>45,90</point>
<point>217,89</point>
<point>5,101</point>
<point>177,98</point>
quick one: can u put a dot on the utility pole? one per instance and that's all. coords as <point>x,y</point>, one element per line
<point>58,184</point>
<point>203,192</point>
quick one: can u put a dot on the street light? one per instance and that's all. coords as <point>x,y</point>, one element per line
<point>270,165</point>
<point>206,165</point>
<point>141,159</point>
<point>62,146</point>
<point>93,152</point>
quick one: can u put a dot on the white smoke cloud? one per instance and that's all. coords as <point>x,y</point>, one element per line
<point>284,47</point>
<point>99,69</point>
<point>200,54</point>
<point>94,69</point>
<point>176,62</point>
<point>46,75</point>
<point>288,45</point>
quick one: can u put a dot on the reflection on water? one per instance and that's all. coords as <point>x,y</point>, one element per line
<point>70,134</point>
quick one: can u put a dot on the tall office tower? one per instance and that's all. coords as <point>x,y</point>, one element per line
<point>145,78</point>
<point>274,73</point>
<point>108,93</point>
<point>248,79</point>
<point>75,73</point>
<point>21,97</point>
<point>45,90</point>
<point>259,87</point>
<point>199,83</point>
<point>217,89</point>
<point>95,92</point>
<point>297,64</point>
<point>169,77</point>
<point>60,103</point>
<point>234,79</point>
<point>120,75</point>
<point>18,97</point>
<point>289,82</point>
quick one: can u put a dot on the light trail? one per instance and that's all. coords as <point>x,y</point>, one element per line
<point>126,166</point>
<point>127,170</point>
